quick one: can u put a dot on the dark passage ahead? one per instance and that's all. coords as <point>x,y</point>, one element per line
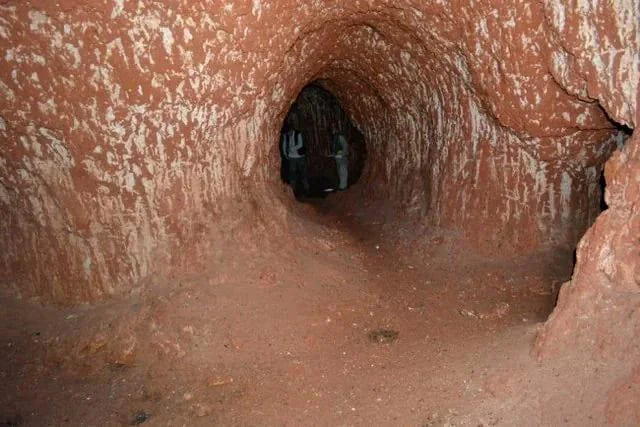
<point>316,115</point>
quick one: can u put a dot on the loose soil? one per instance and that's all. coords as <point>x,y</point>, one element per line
<point>351,316</point>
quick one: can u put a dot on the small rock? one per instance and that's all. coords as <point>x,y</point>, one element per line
<point>140,417</point>
<point>217,381</point>
<point>202,410</point>
<point>468,313</point>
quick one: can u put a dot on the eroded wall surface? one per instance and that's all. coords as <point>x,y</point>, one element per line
<point>126,126</point>
<point>598,311</point>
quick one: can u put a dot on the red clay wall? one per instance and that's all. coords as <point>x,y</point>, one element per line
<point>598,311</point>
<point>126,126</point>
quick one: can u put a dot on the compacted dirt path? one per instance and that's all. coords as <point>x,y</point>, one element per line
<point>351,317</point>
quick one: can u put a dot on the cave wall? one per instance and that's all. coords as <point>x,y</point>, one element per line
<point>601,303</point>
<point>522,164</point>
<point>128,126</point>
<point>598,310</point>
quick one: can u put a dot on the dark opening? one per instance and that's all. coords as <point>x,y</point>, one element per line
<point>627,132</point>
<point>603,185</point>
<point>318,115</point>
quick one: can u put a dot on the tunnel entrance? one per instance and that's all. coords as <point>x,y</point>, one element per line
<point>319,119</point>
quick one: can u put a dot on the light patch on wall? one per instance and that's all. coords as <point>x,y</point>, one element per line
<point>187,35</point>
<point>607,262</point>
<point>9,55</point>
<point>86,265</point>
<point>75,53</point>
<point>129,181</point>
<point>37,149</point>
<point>582,118</point>
<point>482,29</point>
<point>256,10</point>
<point>476,120</point>
<point>109,115</point>
<point>48,107</point>
<point>3,123</point>
<point>511,23</point>
<point>278,93</point>
<point>116,44</point>
<point>565,195</point>
<point>167,40</point>
<point>37,20</point>
<point>38,59</point>
<point>151,21</point>
<point>56,40</point>
<point>4,33</point>
<point>559,17</point>
<point>58,146</point>
<point>117,9</point>
<point>4,195</point>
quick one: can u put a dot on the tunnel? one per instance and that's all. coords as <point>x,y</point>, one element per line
<point>319,117</point>
<point>481,267</point>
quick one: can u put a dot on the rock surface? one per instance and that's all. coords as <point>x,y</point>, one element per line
<point>598,311</point>
<point>127,127</point>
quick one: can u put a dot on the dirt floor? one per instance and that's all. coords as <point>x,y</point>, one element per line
<point>351,317</point>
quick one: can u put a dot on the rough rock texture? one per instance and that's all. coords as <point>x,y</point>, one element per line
<point>596,56</point>
<point>127,126</point>
<point>595,53</point>
<point>598,311</point>
<point>605,287</point>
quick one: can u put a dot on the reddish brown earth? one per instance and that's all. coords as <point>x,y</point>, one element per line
<point>281,336</point>
<point>151,260</point>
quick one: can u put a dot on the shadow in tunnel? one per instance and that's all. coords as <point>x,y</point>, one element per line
<point>317,118</point>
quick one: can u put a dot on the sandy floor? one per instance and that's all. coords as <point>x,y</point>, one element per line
<point>351,318</point>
